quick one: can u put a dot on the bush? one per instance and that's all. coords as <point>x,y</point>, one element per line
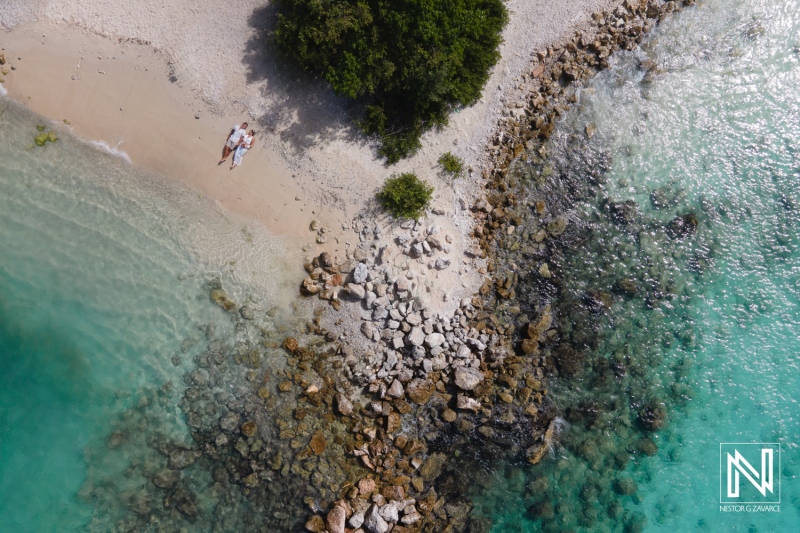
<point>451,164</point>
<point>409,62</point>
<point>405,195</point>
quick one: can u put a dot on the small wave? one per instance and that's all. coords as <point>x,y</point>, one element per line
<point>3,91</point>
<point>113,150</point>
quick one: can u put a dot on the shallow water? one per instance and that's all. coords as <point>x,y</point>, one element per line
<point>103,293</point>
<point>703,119</point>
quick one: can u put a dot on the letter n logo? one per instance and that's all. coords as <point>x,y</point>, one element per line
<point>747,473</point>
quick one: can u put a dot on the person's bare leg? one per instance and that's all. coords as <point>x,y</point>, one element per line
<point>225,153</point>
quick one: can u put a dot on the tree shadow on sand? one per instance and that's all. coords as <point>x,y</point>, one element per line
<point>303,111</point>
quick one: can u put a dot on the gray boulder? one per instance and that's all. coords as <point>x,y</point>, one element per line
<point>360,273</point>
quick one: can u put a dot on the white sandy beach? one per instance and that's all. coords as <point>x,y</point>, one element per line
<point>136,76</point>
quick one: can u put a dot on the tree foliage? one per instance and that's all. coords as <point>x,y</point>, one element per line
<point>405,195</point>
<point>409,61</point>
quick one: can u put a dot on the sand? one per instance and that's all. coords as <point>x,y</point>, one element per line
<point>136,75</point>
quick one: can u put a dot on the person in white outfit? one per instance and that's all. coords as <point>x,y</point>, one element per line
<point>245,144</point>
<point>234,137</point>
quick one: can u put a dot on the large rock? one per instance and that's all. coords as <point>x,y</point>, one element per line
<point>416,337</point>
<point>396,390</point>
<point>318,443</point>
<point>343,404</point>
<point>360,273</point>
<point>356,520</point>
<point>433,467</point>
<point>434,339</point>
<point>414,319</point>
<point>200,377</point>
<point>180,458</point>
<point>315,524</point>
<point>389,512</point>
<point>374,522</point>
<point>411,516</point>
<point>468,404</point>
<point>229,422</point>
<point>366,486</point>
<point>325,260</point>
<point>653,416</point>
<point>367,329</point>
<point>221,298</point>
<point>558,226</point>
<point>166,479</point>
<point>536,330</point>
<point>291,344</point>
<point>467,378</point>
<point>356,291</point>
<point>625,486</point>
<point>420,390</point>
<point>336,518</point>
<point>393,422</point>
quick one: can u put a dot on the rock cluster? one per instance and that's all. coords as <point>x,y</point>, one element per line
<point>557,70</point>
<point>352,279</point>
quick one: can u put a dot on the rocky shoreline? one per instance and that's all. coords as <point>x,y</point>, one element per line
<point>381,415</point>
<point>488,374</point>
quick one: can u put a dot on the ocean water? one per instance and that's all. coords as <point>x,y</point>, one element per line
<point>104,293</point>
<point>689,192</point>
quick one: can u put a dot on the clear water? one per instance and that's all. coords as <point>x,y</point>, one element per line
<point>103,273</point>
<point>102,276</point>
<point>714,130</point>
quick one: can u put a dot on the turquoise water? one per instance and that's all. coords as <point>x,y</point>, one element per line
<point>103,293</point>
<point>704,120</point>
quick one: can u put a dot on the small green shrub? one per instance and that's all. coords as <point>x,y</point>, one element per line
<point>405,195</point>
<point>451,164</point>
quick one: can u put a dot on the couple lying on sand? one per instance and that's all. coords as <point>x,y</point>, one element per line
<point>239,142</point>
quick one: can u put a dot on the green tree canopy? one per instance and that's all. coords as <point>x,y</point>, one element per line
<point>410,61</point>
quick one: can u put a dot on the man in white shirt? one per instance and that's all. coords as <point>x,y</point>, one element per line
<point>233,140</point>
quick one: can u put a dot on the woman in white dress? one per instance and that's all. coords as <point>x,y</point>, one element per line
<point>244,145</point>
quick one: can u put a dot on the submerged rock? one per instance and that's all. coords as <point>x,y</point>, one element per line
<point>420,390</point>
<point>653,416</point>
<point>570,361</point>
<point>682,226</point>
<point>220,297</point>
<point>432,468</point>
<point>180,458</point>
<point>557,227</point>
<point>166,478</point>
<point>291,344</point>
<point>318,443</point>
<point>647,447</point>
<point>623,213</point>
<point>625,486</point>
<point>249,429</point>
<point>315,524</point>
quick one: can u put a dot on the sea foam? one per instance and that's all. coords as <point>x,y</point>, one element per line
<point>3,91</point>
<point>113,150</point>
